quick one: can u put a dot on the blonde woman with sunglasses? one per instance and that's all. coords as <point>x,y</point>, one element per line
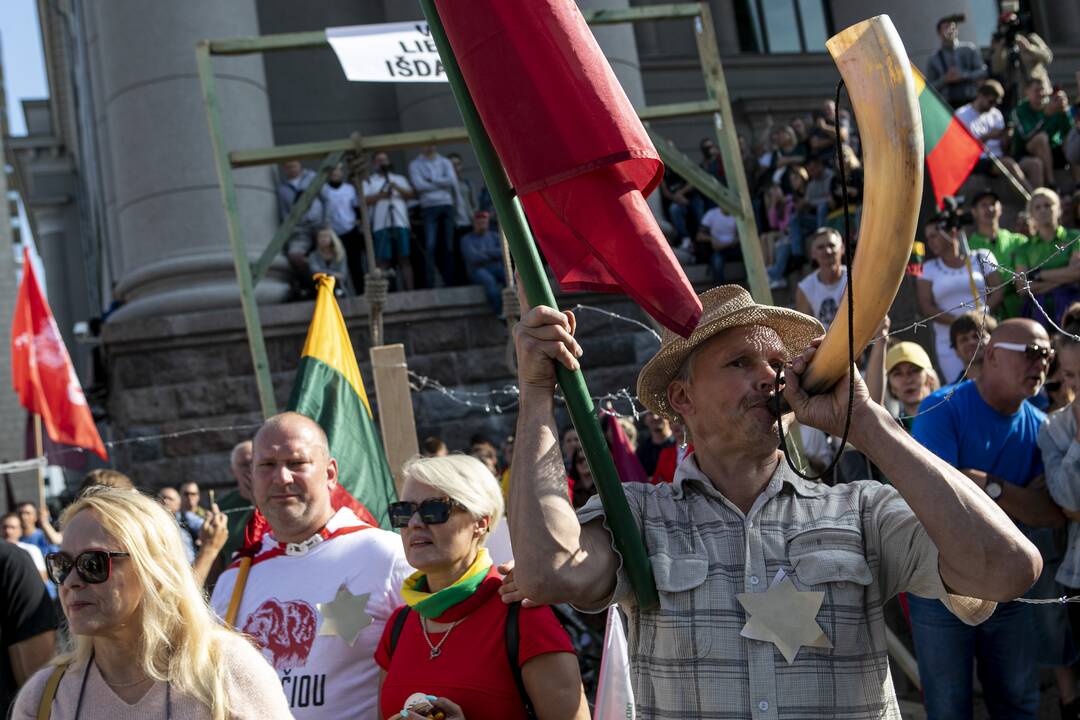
<point>143,643</point>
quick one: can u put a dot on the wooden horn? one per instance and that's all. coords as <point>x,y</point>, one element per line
<point>877,73</point>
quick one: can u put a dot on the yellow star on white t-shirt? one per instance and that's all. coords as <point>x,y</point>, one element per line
<point>345,616</point>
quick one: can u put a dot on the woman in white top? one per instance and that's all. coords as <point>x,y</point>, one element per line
<point>950,286</point>
<point>820,292</point>
<point>144,643</point>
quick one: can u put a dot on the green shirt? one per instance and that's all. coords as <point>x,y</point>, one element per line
<point>1036,251</point>
<point>1028,121</point>
<point>1004,246</point>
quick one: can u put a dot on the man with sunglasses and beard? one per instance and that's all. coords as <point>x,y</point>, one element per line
<point>988,431</point>
<point>322,585</point>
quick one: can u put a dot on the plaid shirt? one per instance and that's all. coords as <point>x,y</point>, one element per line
<point>859,543</point>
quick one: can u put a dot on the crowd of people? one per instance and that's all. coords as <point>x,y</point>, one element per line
<point>315,612</point>
<point>278,599</point>
<point>429,227</point>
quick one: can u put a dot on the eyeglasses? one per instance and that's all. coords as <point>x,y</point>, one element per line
<point>1032,351</point>
<point>93,566</point>
<point>433,511</point>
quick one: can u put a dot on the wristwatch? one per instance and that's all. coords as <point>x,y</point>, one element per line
<point>993,489</point>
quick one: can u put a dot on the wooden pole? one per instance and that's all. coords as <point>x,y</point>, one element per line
<point>376,285</point>
<point>619,519</point>
<point>728,141</point>
<point>396,421</point>
<point>242,265</point>
<point>39,450</point>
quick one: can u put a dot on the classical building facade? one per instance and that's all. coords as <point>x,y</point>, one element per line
<point>122,187</point>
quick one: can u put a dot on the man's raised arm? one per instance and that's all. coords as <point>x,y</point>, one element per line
<point>556,559</point>
<point>981,552</point>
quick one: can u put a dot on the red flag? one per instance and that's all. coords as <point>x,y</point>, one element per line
<point>42,373</point>
<point>626,460</point>
<point>573,148</point>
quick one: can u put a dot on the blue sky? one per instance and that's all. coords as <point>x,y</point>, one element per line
<point>22,57</point>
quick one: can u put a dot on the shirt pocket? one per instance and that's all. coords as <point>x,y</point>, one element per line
<point>832,561</point>
<point>682,629</point>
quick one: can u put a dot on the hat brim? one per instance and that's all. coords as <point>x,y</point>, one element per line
<point>796,331</point>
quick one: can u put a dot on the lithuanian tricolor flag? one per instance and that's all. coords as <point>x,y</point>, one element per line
<point>329,390</point>
<point>951,151</point>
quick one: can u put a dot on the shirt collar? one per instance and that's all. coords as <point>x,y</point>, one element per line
<point>688,472</point>
<point>343,518</point>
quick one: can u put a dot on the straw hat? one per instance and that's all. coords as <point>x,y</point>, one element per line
<point>723,307</point>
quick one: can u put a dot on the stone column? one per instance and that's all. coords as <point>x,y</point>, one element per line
<point>12,415</point>
<point>169,241</point>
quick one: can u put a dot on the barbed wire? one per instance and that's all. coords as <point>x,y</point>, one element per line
<point>43,460</point>
<point>1050,601</point>
<point>505,398</point>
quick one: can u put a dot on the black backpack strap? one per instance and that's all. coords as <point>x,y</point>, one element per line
<point>513,644</point>
<point>399,625</point>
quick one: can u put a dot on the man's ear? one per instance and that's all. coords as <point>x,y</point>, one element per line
<point>679,399</point>
<point>484,525</point>
<point>331,472</point>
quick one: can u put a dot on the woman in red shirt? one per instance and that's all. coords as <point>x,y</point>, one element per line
<point>451,639</point>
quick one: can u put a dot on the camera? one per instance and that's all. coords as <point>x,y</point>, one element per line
<point>1008,27</point>
<point>952,215</point>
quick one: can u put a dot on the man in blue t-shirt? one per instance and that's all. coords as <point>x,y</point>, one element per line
<point>987,431</point>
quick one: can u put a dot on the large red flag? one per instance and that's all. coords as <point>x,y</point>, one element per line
<point>42,373</point>
<point>573,148</point>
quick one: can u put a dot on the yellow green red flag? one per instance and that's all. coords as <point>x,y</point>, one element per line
<point>329,389</point>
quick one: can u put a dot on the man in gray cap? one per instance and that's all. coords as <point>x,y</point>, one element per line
<point>771,587</point>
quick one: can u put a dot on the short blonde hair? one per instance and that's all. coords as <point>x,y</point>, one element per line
<point>1046,193</point>
<point>182,641</point>
<point>464,479</point>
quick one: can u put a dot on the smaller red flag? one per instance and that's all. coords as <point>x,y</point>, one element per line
<point>42,373</point>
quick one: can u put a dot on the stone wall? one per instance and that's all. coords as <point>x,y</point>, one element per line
<point>182,372</point>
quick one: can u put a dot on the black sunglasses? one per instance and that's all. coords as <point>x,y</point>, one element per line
<point>433,511</point>
<point>93,566</point>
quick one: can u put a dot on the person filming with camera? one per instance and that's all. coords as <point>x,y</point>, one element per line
<point>956,69</point>
<point>1016,56</point>
<point>955,281</point>
<point>385,192</point>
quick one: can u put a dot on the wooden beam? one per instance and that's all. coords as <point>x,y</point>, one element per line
<point>672,11</point>
<point>268,43</point>
<point>694,174</point>
<point>317,38</point>
<point>394,397</point>
<point>419,138</point>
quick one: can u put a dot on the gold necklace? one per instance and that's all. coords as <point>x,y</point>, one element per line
<point>436,650</point>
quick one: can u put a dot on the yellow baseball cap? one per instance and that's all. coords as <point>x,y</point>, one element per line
<point>907,352</point>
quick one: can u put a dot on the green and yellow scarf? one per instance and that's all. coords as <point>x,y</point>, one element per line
<point>443,606</point>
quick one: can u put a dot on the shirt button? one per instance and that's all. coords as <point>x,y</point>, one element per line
<point>763,706</point>
<point>754,579</point>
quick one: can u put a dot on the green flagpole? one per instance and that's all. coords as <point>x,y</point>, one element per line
<point>512,220</point>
